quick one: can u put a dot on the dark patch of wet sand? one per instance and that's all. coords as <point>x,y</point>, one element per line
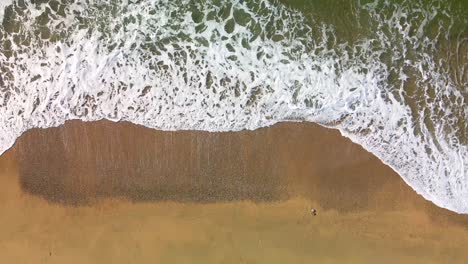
<point>80,162</point>
<point>203,197</point>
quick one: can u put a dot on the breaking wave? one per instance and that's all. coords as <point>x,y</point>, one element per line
<point>392,77</point>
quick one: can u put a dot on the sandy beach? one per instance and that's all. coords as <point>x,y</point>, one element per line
<point>106,192</point>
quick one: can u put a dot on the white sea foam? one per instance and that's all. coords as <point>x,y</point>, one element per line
<point>175,65</point>
<point>3,4</point>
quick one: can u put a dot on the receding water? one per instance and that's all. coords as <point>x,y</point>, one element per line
<point>104,192</point>
<point>390,75</point>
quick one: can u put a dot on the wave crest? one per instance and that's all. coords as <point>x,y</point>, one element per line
<point>215,66</point>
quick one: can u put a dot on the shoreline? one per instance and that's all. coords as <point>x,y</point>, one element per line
<point>307,133</point>
<point>354,140</point>
<point>101,135</point>
<point>56,195</point>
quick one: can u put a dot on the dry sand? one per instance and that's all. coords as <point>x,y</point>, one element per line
<point>107,192</point>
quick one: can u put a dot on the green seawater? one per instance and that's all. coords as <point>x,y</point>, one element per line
<point>390,75</point>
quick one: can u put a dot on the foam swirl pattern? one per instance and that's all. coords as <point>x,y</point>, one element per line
<point>397,85</point>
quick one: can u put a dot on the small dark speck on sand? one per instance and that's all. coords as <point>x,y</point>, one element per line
<point>314,212</point>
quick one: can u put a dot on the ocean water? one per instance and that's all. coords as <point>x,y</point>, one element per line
<point>390,75</point>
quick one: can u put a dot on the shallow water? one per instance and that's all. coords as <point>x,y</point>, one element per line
<point>390,75</point>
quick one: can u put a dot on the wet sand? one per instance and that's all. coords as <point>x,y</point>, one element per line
<point>108,192</point>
